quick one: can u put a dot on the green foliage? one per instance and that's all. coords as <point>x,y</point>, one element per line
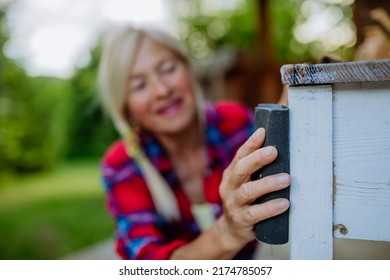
<point>203,33</point>
<point>288,15</point>
<point>31,124</point>
<point>90,129</point>
<point>205,30</point>
<point>32,113</point>
<point>43,120</point>
<point>47,216</point>
<point>283,15</point>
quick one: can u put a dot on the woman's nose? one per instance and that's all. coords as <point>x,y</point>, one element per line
<point>160,87</point>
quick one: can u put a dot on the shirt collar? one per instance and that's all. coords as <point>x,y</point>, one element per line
<point>159,156</point>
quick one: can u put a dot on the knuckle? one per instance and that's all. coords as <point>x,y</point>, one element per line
<point>237,220</point>
<point>245,191</point>
<point>224,193</point>
<point>239,169</point>
<point>226,174</point>
<point>228,205</point>
<point>238,153</point>
<point>251,214</point>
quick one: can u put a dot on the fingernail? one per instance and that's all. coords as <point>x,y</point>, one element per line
<point>283,204</point>
<point>258,133</point>
<point>282,179</point>
<point>268,151</point>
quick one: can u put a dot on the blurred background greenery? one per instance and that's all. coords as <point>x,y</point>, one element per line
<point>53,131</point>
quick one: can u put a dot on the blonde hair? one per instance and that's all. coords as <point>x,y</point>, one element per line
<point>118,55</point>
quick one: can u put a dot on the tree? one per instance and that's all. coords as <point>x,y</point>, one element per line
<point>90,129</point>
<point>262,35</point>
<point>31,116</point>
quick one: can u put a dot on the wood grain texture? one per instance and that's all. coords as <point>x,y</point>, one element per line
<point>332,73</point>
<point>361,152</point>
<point>311,235</point>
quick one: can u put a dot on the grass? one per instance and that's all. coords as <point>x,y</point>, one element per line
<point>50,215</point>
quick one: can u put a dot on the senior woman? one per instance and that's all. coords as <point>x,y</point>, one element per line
<point>178,182</point>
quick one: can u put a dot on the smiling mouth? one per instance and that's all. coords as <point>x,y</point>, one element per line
<point>170,109</point>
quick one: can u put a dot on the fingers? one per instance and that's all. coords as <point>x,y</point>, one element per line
<point>241,170</point>
<point>248,159</point>
<point>251,190</point>
<point>252,162</point>
<point>258,212</point>
<point>237,192</point>
<point>246,217</point>
<point>237,204</point>
<point>254,142</point>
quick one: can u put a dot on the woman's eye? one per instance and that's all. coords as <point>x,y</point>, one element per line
<point>168,67</point>
<point>137,85</point>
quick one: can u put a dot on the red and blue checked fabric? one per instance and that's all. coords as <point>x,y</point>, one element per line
<point>141,232</point>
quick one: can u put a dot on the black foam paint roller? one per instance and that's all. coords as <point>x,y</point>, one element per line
<point>274,118</point>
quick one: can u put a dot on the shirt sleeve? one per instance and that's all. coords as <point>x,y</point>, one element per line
<point>139,238</point>
<point>139,233</point>
<point>234,117</point>
<point>236,123</point>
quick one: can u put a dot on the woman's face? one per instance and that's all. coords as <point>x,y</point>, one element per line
<point>160,96</point>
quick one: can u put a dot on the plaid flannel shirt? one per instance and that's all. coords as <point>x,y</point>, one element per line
<point>141,231</point>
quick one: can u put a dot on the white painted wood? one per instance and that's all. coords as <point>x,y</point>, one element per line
<point>361,151</point>
<point>311,235</point>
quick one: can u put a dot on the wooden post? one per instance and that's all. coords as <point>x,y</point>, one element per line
<point>311,172</point>
<point>340,154</point>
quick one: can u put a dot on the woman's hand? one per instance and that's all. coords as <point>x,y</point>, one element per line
<point>237,191</point>
<point>234,229</point>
